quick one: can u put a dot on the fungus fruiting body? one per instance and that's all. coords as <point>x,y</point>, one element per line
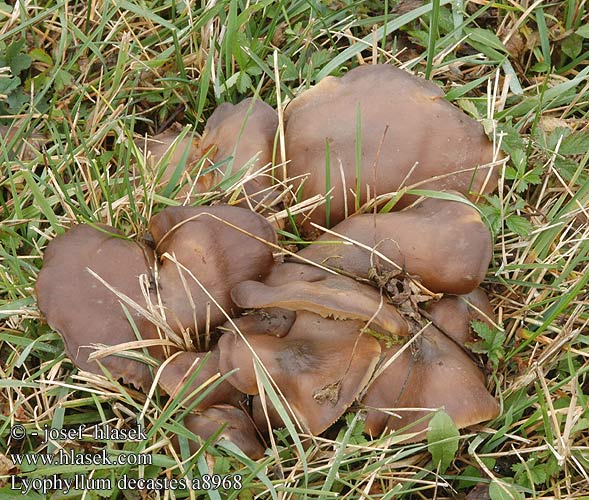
<point>410,135</point>
<point>229,423</point>
<point>435,374</point>
<point>337,297</point>
<point>327,328</point>
<point>197,370</point>
<point>444,244</point>
<point>235,137</point>
<point>203,253</point>
<point>242,136</point>
<point>320,366</point>
<point>73,295</point>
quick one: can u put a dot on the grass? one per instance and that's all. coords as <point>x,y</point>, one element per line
<point>82,82</point>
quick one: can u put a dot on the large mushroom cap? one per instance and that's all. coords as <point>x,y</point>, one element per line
<point>244,133</point>
<point>237,428</point>
<point>84,310</point>
<point>410,134</point>
<point>435,374</point>
<point>443,243</point>
<point>219,246</point>
<point>196,369</point>
<point>320,366</point>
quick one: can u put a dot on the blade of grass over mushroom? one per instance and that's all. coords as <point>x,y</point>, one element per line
<point>272,395</point>
<point>327,183</point>
<point>358,157</point>
<point>433,36</point>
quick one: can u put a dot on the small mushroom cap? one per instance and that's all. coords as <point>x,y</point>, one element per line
<point>220,246</point>
<point>320,366</point>
<point>453,314</point>
<point>410,134</point>
<point>84,311</point>
<point>238,429</point>
<point>244,132</point>
<point>168,143</point>
<point>443,243</point>
<point>181,370</point>
<point>335,297</point>
<point>437,374</point>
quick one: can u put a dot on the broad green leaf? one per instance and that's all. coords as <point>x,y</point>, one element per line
<point>583,31</point>
<point>442,440</point>
<point>5,9</point>
<point>41,56</point>
<point>572,45</point>
<point>576,143</point>
<point>487,38</point>
<point>500,490</point>
<point>19,63</point>
<point>518,225</point>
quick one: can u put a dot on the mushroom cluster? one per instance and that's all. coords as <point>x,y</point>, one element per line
<point>374,314</point>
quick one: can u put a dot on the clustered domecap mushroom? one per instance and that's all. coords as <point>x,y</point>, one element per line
<point>323,338</point>
<point>235,137</point>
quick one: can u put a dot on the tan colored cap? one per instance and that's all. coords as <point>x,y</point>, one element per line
<point>443,243</point>
<point>409,134</point>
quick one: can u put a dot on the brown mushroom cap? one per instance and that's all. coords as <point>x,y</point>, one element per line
<point>435,374</point>
<point>181,370</point>
<point>220,246</point>
<point>262,418</point>
<point>410,133</point>
<point>293,271</point>
<point>320,366</point>
<point>244,132</point>
<point>335,297</point>
<point>442,242</point>
<point>238,429</point>
<point>453,314</point>
<point>84,311</point>
<point>167,144</point>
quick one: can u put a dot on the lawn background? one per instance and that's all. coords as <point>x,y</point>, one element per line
<point>79,80</point>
